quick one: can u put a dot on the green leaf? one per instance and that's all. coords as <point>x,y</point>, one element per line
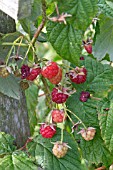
<point>6,144</point>
<point>82,11</point>
<point>17,162</point>
<point>35,10</point>
<point>28,26</point>
<point>65,40</point>
<point>95,151</point>
<point>10,87</point>
<point>105,8</point>
<point>106,121</point>
<point>31,98</point>
<point>41,148</point>
<point>104,40</point>
<point>86,111</point>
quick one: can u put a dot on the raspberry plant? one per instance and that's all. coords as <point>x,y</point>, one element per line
<point>75,129</point>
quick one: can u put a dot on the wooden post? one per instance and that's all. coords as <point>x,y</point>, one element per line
<point>13,113</point>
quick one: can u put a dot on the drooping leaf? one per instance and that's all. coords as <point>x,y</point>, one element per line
<point>10,87</point>
<point>41,149</point>
<point>6,144</point>
<point>17,161</point>
<point>95,151</point>
<point>65,40</point>
<point>28,26</point>
<point>31,98</point>
<point>104,40</point>
<point>105,116</point>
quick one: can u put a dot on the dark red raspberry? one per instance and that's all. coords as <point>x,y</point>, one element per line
<point>59,96</point>
<point>47,131</point>
<point>88,48</point>
<point>84,96</point>
<point>57,78</point>
<point>58,115</point>
<point>78,75</point>
<point>50,70</point>
<point>25,71</point>
<point>33,74</point>
<point>81,58</point>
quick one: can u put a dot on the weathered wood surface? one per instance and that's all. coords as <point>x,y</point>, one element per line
<point>14,118</point>
<point>7,24</point>
<point>13,113</point>
<point>17,9</point>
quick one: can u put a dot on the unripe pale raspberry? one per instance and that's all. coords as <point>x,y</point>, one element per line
<point>59,96</point>
<point>47,131</point>
<point>88,134</point>
<point>58,115</point>
<point>56,79</point>
<point>4,72</point>
<point>60,149</point>
<point>78,75</point>
<point>50,70</point>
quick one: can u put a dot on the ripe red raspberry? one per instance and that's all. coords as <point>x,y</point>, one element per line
<point>34,72</point>
<point>47,131</point>
<point>84,96</point>
<point>78,75</point>
<point>60,149</point>
<point>50,70</point>
<point>88,48</point>
<point>88,134</point>
<point>57,78</point>
<point>82,58</point>
<point>25,71</point>
<point>59,96</point>
<point>58,115</point>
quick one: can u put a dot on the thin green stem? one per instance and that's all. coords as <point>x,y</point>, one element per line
<point>76,117</point>
<point>9,53</point>
<point>16,44</point>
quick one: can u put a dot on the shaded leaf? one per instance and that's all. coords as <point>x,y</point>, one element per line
<point>10,87</point>
<point>106,121</point>
<point>28,26</point>
<point>31,98</point>
<point>104,40</point>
